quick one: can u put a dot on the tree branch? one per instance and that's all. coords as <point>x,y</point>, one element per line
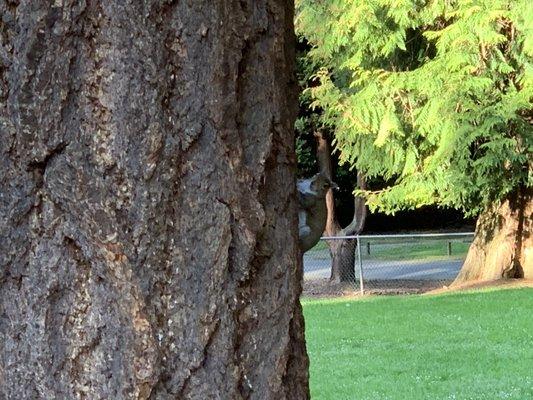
<point>359,215</point>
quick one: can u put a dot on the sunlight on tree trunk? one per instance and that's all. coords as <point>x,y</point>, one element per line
<point>503,243</point>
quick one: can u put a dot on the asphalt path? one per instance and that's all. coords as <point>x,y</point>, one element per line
<point>436,269</point>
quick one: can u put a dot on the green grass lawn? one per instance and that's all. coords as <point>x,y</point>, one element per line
<point>416,250</point>
<point>408,250</point>
<point>476,345</point>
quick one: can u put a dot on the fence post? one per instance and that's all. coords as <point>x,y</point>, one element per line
<point>449,248</point>
<point>360,260</point>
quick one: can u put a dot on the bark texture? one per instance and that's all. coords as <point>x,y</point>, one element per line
<point>342,251</point>
<point>503,243</point>
<point>148,230</point>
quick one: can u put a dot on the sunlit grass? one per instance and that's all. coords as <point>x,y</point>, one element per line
<point>458,346</point>
<point>407,250</point>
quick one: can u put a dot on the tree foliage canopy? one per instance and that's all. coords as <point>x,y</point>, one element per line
<point>435,96</point>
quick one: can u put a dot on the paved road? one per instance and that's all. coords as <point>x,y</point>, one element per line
<point>440,269</point>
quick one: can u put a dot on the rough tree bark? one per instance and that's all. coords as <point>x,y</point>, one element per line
<point>148,230</point>
<point>503,242</point>
<point>342,251</point>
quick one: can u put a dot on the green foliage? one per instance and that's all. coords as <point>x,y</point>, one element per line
<point>307,164</point>
<point>434,96</point>
<point>308,121</point>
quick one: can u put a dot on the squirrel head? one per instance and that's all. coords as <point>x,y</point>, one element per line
<point>320,183</point>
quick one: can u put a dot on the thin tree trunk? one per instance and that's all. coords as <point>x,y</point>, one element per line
<point>342,251</point>
<point>148,230</point>
<point>503,243</point>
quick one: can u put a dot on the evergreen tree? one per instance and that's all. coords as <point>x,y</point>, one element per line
<point>435,96</point>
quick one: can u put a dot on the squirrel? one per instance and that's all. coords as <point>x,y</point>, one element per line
<point>312,210</point>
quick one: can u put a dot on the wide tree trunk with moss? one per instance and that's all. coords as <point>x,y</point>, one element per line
<point>148,230</point>
<point>503,242</point>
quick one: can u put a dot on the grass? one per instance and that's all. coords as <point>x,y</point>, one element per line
<point>475,345</point>
<point>408,250</point>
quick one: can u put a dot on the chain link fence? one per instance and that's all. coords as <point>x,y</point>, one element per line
<point>384,264</point>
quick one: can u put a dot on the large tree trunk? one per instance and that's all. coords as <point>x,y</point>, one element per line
<point>148,230</point>
<point>503,243</point>
<point>342,251</point>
